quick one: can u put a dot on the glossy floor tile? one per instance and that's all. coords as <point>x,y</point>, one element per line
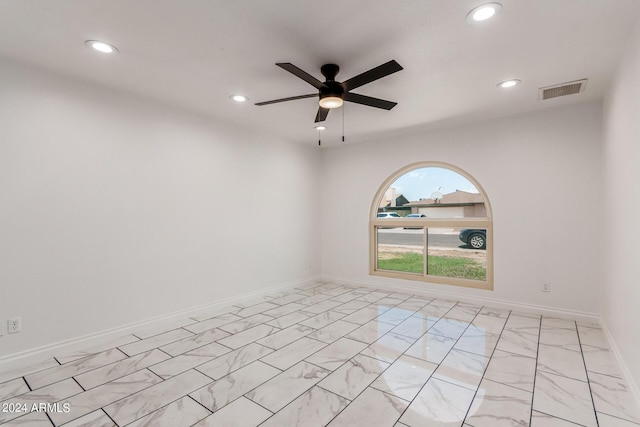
<point>350,379</point>
<point>498,405</point>
<point>335,355</point>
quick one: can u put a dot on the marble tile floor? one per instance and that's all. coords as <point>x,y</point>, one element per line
<point>333,355</point>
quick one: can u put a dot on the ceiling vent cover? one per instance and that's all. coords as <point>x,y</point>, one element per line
<point>562,89</point>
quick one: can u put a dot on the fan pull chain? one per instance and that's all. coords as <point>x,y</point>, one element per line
<point>343,123</point>
<point>319,143</point>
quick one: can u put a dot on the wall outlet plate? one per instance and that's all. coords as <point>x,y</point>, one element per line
<point>546,287</point>
<point>14,325</point>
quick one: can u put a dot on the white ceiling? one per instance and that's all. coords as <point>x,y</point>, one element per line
<point>196,53</point>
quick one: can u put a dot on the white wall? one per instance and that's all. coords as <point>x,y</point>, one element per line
<point>621,311</point>
<point>542,174</point>
<point>115,209</point>
<point>110,206</point>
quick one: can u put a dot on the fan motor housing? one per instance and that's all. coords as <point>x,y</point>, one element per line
<point>331,89</point>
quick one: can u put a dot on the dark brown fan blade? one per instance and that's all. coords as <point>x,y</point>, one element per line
<point>322,114</point>
<point>371,75</point>
<point>301,74</point>
<point>367,100</point>
<point>291,98</point>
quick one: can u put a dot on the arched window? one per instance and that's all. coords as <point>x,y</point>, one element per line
<point>431,222</point>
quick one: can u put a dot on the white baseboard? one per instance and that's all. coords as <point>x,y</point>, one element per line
<point>36,356</point>
<point>584,317</point>
<point>626,373</point>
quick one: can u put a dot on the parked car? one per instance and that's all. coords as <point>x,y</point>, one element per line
<point>476,239</point>
<point>414,216</point>
<point>388,215</point>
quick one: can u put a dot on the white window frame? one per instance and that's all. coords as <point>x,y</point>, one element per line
<point>426,223</point>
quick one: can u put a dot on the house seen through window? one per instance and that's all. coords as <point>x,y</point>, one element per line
<point>431,222</point>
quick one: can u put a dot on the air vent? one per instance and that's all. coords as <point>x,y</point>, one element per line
<point>569,88</point>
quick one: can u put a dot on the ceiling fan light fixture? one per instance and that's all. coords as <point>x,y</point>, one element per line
<point>483,12</point>
<point>331,101</point>
<point>332,93</point>
<point>319,127</point>
<point>239,98</point>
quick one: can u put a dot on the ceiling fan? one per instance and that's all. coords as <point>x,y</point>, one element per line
<point>332,94</point>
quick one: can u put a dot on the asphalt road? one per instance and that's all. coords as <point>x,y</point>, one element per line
<point>405,237</point>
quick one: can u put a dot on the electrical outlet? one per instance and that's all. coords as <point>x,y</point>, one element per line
<point>14,325</point>
<point>546,287</point>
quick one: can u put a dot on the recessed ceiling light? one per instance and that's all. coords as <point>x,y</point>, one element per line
<point>101,46</point>
<point>484,12</point>
<point>508,83</point>
<point>319,127</point>
<point>239,98</point>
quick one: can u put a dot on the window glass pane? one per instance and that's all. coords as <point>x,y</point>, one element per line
<point>401,249</point>
<point>435,192</point>
<point>459,253</point>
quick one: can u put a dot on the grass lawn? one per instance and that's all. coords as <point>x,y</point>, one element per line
<point>408,262</point>
<point>463,268</point>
